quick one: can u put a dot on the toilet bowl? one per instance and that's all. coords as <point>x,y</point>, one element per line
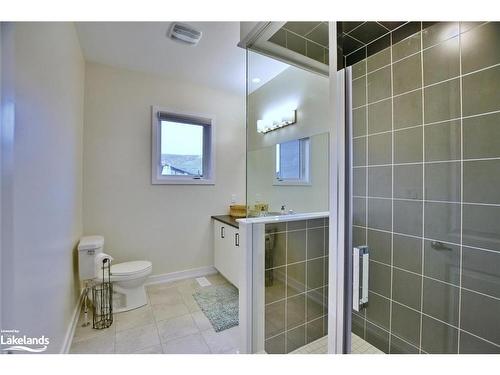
<point>128,278</point>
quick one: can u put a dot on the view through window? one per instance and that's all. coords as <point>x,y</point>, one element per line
<point>181,149</point>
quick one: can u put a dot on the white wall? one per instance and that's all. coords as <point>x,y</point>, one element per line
<point>167,224</point>
<point>309,94</point>
<point>46,70</point>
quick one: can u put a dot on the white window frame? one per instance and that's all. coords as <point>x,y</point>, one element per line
<point>305,161</point>
<point>208,122</point>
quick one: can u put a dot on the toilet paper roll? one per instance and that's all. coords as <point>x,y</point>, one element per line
<point>99,262</point>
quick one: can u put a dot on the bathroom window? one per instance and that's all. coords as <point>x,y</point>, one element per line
<point>182,148</point>
<point>292,162</point>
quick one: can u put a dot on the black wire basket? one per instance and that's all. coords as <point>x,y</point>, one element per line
<point>102,298</point>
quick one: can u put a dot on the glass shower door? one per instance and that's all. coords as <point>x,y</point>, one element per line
<point>425,189</point>
<point>287,199</point>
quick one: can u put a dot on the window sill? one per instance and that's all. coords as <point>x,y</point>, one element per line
<point>186,181</point>
<point>291,183</point>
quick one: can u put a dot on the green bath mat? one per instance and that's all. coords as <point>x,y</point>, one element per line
<point>219,303</point>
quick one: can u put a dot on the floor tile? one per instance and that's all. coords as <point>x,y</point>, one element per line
<point>187,286</point>
<point>190,302</point>
<point>201,321</point>
<point>192,344</point>
<point>85,333</point>
<point>177,327</point>
<point>172,317</point>
<point>170,296</point>
<point>155,349</point>
<point>132,319</point>
<point>161,286</point>
<point>135,339</point>
<point>222,342</point>
<point>95,345</point>
<point>167,311</point>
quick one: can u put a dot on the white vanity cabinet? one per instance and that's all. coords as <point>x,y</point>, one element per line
<point>227,252</point>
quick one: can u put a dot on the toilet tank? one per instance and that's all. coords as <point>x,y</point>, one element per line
<point>88,248</point>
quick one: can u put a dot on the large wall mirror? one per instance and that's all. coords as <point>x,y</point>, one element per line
<point>288,138</point>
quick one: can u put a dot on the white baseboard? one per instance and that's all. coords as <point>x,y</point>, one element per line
<point>181,275</point>
<point>68,338</point>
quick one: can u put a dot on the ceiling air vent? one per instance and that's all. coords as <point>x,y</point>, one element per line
<point>180,32</point>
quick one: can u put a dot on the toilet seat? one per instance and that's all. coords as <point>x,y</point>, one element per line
<point>130,268</point>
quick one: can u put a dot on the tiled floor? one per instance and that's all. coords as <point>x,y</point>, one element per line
<point>358,346</point>
<point>171,323</point>
<point>319,346</point>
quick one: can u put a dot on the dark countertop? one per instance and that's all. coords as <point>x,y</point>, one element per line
<point>227,219</point>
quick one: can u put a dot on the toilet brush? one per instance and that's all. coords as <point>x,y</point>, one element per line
<point>85,306</point>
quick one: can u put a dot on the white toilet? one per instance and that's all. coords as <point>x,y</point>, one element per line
<point>128,278</point>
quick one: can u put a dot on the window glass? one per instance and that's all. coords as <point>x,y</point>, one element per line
<point>289,160</point>
<point>292,161</point>
<point>181,149</point>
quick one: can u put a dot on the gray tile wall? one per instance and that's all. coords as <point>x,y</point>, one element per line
<point>296,284</point>
<point>426,196</point>
<point>310,39</point>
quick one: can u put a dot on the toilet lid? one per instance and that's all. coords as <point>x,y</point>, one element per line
<point>129,268</point>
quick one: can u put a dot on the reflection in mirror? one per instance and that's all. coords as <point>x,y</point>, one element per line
<point>292,162</point>
<point>303,44</point>
<point>298,182</point>
<point>288,138</point>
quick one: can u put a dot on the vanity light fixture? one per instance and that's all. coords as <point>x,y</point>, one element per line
<point>267,125</point>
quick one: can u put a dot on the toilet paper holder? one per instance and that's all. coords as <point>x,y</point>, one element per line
<point>102,298</point>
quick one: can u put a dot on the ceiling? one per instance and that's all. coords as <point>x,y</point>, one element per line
<point>143,46</point>
<point>262,69</point>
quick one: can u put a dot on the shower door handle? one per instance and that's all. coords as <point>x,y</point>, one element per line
<point>360,266</point>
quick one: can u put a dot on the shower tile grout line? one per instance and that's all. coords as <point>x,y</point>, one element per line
<point>392,194</point>
<point>423,189</point>
<point>427,200</point>
<point>426,162</point>
<point>424,238</point>
<point>461,188</point>
<point>294,327</point>
<point>433,279</point>
<point>294,263</point>
<point>294,295</point>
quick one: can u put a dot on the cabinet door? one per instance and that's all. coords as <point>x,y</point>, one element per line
<point>233,251</point>
<point>220,243</point>
<point>226,251</point>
